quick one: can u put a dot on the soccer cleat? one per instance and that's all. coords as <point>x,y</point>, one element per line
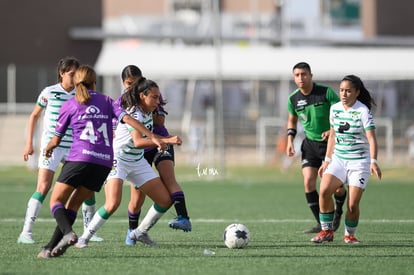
<point>25,239</point>
<point>137,235</point>
<point>128,240</point>
<point>181,223</point>
<point>81,243</point>
<point>95,238</point>
<point>337,220</point>
<point>350,239</point>
<point>44,253</point>
<point>323,236</point>
<point>68,239</point>
<point>315,229</point>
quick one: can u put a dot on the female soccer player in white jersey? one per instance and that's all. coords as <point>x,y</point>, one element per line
<point>140,100</point>
<point>90,158</point>
<point>164,163</point>
<point>50,101</point>
<point>351,157</point>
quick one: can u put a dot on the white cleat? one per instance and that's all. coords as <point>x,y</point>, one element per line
<point>25,239</point>
<point>144,238</point>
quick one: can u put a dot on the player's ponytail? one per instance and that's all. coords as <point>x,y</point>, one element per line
<point>85,79</point>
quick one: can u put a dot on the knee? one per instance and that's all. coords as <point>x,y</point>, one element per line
<point>166,203</point>
<point>43,188</point>
<point>353,208</point>
<point>112,206</point>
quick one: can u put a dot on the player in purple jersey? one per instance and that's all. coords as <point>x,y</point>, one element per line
<point>90,159</point>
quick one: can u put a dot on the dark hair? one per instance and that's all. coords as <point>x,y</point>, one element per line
<point>302,65</point>
<point>364,94</point>
<point>65,64</point>
<point>84,78</point>
<point>130,99</point>
<point>160,109</point>
<point>131,71</point>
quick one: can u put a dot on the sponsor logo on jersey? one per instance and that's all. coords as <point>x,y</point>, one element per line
<point>344,127</point>
<point>92,112</point>
<point>301,103</point>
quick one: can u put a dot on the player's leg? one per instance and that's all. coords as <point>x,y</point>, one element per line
<point>64,217</point>
<point>155,189</point>
<point>44,182</point>
<point>340,193</point>
<point>340,198</point>
<point>134,211</point>
<point>358,180</point>
<point>88,210</point>
<point>312,197</point>
<point>328,186</point>
<point>113,197</point>
<point>167,175</point>
<point>311,161</point>
<point>352,214</point>
<point>47,167</point>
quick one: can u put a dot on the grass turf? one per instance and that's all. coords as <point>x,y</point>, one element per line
<point>269,203</point>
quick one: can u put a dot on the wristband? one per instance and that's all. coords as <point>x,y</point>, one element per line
<point>291,132</point>
<point>328,159</point>
<point>374,161</point>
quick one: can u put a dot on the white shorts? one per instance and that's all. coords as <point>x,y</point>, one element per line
<point>350,172</point>
<point>138,173</point>
<point>59,155</point>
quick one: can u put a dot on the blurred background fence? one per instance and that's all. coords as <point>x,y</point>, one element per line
<point>253,117</point>
<point>223,65</point>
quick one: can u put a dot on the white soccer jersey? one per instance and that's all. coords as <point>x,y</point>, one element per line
<point>350,125</point>
<point>123,144</point>
<point>51,100</point>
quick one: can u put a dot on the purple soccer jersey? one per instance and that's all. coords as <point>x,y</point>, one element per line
<point>92,128</point>
<point>160,130</point>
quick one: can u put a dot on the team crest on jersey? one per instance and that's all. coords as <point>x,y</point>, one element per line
<point>355,115</point>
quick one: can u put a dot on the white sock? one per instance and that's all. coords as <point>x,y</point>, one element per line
<point>33,208</point>
<point>100,217</point>
<point>150,219</point>
<point>88,211</point>
<point>350,231</point>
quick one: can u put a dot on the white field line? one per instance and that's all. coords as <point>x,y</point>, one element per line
<point>122,220</point>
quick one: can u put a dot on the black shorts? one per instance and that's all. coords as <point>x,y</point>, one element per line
<point>89,175</point>
<point>313,153</point>
<point>155,157</point>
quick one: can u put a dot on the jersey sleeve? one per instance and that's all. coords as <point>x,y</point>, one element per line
<point>43,98</point>
<point>63,120</point>
<point>367,120</point>
<point>291,108</point>
<point>137,115</point>
<point>331,96</point>
<point>117,112</point>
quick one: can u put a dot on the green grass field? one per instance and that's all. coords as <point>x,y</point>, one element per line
<point>269,203</point>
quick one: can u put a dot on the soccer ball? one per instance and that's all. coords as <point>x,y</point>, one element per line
<point>236,235</point>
